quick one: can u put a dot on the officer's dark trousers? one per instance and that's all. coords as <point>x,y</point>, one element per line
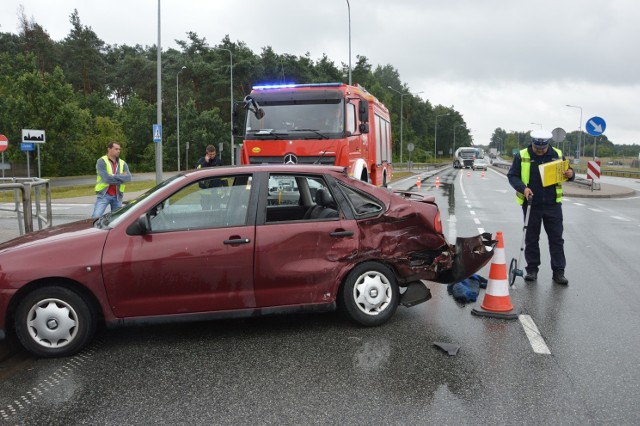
<point>551,217</point>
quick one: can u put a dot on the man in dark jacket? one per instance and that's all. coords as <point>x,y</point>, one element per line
<point>546,204</point>
<point>210,158</point>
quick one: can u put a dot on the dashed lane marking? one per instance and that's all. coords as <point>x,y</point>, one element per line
<point>624,219</point>
<point>535,338</point>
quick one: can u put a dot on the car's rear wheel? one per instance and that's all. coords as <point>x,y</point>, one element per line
<point>54,321</point>
<point>370,294</point>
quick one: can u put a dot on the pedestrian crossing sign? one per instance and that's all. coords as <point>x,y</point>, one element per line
<point>157,133</point>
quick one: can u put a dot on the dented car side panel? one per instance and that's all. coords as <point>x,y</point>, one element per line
<point>405,237</point>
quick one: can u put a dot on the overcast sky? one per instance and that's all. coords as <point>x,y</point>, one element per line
<point>500,63</point>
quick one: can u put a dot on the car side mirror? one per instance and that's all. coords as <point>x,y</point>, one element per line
<point>363,110</point>
<point>141,226</point>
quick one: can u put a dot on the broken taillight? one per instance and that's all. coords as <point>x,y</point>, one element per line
<point>437,224</point>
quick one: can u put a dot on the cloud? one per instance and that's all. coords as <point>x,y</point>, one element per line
<point>501,63</point>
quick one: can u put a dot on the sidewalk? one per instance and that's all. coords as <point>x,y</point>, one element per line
<point>577,190</point>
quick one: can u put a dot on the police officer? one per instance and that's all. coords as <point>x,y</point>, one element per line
<point>546,204</point>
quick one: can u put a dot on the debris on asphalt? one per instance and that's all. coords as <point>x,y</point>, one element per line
<point>450,348</point>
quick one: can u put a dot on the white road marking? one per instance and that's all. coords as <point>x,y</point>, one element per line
<point>453,231</point>
<point>535,339</point>
<point>596,210</point>
<point>624,219</point>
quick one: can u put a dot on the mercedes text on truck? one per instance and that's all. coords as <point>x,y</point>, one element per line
<point>325,123</point>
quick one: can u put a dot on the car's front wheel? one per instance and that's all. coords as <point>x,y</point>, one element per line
<point>54,321</point>
<point>370,294</point>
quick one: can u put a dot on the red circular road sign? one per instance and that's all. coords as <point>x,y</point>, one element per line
<point>4,143</point>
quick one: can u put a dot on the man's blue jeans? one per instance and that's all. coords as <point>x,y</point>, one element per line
<point>102,201</point>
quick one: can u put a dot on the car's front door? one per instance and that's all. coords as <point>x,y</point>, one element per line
<point>198,256</point>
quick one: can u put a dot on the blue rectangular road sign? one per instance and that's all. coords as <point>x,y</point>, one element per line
<point>157,133</point>
<point>27,146</point>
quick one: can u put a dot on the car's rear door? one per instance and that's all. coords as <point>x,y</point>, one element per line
<point>299,260</point>
<point>198,256</point>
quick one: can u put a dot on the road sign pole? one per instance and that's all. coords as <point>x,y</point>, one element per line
<point>28,165</point>
<point>3,165</point>
<point>39,171</point>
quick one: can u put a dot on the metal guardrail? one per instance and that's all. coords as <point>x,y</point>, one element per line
<point>612,172</point>
<point>22,189</point>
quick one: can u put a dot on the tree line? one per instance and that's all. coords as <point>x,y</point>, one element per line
<point>84,93</point>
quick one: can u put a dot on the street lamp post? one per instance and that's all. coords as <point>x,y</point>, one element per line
<point>453,150</point>
<point>435,138</point>
<point>233,160</point>
<point>580,129</point>
<point>402,95</point>
<point>158,147</point>
<point>178,111</point>
<point>349,10</point>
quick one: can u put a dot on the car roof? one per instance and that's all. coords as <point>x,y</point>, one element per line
<point>273,168</point>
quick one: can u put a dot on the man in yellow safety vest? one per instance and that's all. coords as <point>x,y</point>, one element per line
<point>546,204</point>
<point>112,173</point>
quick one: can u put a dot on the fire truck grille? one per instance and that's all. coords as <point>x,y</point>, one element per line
<point>326,160</point>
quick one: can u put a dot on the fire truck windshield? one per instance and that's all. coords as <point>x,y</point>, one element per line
<point>324,119</point>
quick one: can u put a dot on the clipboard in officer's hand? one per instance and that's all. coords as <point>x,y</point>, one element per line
<point>553,172</point>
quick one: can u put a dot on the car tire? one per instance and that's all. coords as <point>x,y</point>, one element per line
<point>54,321</point>
<point>369,295</point>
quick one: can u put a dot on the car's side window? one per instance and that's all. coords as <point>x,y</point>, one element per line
<point>362,204</point>
<point>299,197</point>
<point>209,203</point>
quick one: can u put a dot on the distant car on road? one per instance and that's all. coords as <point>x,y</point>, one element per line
<point>480,164</point>
<point>263,239</point>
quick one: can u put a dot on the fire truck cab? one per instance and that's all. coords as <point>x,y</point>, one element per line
<point>326,123</point>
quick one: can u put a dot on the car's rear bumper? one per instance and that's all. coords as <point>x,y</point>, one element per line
<point>451,264</point>
<point>471,254</point>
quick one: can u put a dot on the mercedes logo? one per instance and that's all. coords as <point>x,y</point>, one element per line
<point>290,159</point>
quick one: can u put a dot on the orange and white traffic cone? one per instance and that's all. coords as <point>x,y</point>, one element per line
<point>468,173</point>
<point>437,181</point>
<point>496,302</point>
<point>418,183</point>
<point>482,175</point>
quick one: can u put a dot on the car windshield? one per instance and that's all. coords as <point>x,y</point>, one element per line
<point>113,218</point>
<point>319,120</point>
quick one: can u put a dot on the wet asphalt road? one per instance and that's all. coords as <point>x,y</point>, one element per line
<point>321,369</point>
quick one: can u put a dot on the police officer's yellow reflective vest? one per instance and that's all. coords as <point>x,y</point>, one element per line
<point>100,185</point>
<point>525,174</point>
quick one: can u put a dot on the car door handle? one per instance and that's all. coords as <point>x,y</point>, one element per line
<point>237,240</point>
<point>342,234</point>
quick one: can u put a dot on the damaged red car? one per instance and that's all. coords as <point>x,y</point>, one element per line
<point>231,242</point>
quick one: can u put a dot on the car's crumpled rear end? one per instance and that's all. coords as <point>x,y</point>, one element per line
<point>409,236</point>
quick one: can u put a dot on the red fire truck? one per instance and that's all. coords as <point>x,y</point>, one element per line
<point>326,123</point>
